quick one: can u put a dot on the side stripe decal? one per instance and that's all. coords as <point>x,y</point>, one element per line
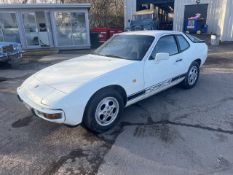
<point>178,77</point>
<point>151,88</point>
<point>131,97</point>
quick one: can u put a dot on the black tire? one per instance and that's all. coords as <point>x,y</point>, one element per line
<point>91,121</point>
<point>187,83</point>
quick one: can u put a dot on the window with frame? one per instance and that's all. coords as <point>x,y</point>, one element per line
<point>9,31</point>
<point>182,42</point>
<point>166,44</point>
<point>130,47</point>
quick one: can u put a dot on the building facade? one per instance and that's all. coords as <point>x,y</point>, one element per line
<point>218,13</point>
<point>36,26</point>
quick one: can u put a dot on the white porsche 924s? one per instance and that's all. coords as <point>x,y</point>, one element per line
<point>131,66</point>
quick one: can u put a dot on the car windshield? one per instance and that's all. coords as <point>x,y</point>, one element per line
<point>130,47</point>
<point>142,17</point>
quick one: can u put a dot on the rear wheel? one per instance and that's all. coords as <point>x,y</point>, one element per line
<point>103,110</point>
<point>192,76</point>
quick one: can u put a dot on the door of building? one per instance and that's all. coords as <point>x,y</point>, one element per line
<point>194,10</point>
<point>36,29</point>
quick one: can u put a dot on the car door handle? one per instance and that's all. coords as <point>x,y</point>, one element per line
<point>179,60</point>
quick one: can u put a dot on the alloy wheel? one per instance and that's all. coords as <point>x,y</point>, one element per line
<point>107,111</point>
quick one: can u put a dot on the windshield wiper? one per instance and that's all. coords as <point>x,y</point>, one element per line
<point>115,56</point>
<point>94,53</point>
<point>109,55</point>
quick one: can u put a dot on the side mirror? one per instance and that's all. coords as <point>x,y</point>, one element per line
<point>161,56</point>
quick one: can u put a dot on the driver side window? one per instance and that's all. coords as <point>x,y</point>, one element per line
<point>166,44</point>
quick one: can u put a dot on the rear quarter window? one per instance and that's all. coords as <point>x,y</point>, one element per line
<point>183,43</point>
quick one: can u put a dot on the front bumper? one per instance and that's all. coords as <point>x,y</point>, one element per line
<point>4,58</point>
<point>39,110</point>
<point>16,55</point>
<point>11,57</point>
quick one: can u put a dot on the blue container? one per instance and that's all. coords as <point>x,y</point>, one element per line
<point>196,26</point>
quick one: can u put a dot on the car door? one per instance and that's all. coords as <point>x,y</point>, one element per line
<point>183,59</point>
<point>158,74</point>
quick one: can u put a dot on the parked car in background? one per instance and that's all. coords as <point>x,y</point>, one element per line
<point>131,66</point>
<point>144,20</point>
<point>10,52</point>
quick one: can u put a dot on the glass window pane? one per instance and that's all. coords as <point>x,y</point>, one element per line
<point>79,29</point>
<point>43,33</point>
<point>167,44</point>
<point>194,39</point>
<point>31,30</point>
<point>36,31</point>
<point>9,31</point>
<point>183,43</point>
<point>63,28</point>
<point>130,47</point>
<point>71,28</point>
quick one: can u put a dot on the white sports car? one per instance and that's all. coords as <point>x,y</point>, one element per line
<point>131,66</point>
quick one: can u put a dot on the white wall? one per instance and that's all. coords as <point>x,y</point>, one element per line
<point>129,9</point>
<point>227,31</point>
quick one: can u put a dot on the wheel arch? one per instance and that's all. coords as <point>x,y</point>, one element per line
<point>117,88</point>
<point>198,60</point>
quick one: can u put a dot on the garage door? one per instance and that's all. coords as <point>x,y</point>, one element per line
<point>192,10</point>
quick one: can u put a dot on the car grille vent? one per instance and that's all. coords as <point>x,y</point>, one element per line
<point>8,49</point>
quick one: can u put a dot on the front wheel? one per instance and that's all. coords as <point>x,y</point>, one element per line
<point>103,111</point>
<point>192,76</point>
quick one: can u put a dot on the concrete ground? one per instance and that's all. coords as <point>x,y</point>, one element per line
<point>173,133</point>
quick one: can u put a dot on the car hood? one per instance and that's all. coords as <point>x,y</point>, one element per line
<point>8,43</point>
<point>67,75</point>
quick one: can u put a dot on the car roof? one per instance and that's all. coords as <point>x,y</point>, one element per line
<point>155,33</point>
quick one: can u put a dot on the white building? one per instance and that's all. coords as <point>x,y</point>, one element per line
<point>218,13</point>
<point>45,26</point>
